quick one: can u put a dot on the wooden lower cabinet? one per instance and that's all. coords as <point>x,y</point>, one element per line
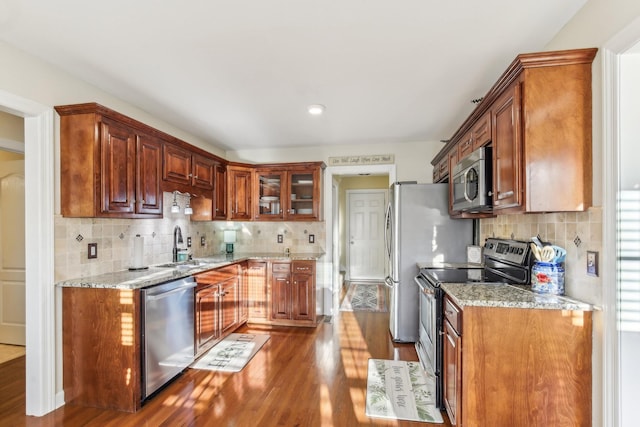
<point>452,368</point>
<point>101,348</point>
<point>518,367</point>
<point>258,291</point>
<point>293,291</point>
<point>303,291</point>
<point>219,305</point>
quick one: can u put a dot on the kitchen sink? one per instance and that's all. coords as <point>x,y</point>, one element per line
<point>182,265</point>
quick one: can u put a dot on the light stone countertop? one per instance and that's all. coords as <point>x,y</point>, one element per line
<point>154,275</point>
<point>510,296</point>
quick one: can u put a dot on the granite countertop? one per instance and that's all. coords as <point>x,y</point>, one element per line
<point>503,295</point>
<point>156,274</point>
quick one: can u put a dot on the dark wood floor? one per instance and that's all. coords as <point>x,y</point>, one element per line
<point>301,377</point>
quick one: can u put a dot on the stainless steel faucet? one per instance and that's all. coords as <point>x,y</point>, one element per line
<point>177,238</point>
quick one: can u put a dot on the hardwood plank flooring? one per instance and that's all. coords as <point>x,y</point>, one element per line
<point>301,377</point>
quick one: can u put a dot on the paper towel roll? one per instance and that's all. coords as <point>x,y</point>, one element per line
<point>138,252</point>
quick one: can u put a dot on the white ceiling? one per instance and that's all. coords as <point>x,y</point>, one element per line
<point>240,73</point>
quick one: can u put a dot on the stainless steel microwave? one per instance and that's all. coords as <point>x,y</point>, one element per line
<point>471,177</point>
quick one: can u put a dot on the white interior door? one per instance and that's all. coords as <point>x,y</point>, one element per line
<point>12,253</point>
<point>365,234</point>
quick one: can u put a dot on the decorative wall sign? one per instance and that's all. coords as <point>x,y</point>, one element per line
<point>375,159</point>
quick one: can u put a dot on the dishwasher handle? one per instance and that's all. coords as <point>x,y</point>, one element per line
<point>166,289</point>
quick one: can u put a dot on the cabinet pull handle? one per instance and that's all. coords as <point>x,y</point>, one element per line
<point>505,195</point>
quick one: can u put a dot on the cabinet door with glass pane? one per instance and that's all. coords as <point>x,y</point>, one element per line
<point>304,193</point>
<point>269,186</point>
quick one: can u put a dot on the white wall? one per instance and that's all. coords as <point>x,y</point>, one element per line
<point>412,159</point>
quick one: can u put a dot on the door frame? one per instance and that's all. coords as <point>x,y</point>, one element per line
<point>348,220</point>
<point>331,266</point>
<point>611,53</point>
<point>41,325</point>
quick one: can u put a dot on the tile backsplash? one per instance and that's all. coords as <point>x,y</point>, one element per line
<point>562,229</point>
<point>115,240</point>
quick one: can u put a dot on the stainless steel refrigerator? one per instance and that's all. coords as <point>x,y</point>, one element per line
<point>418,229</point>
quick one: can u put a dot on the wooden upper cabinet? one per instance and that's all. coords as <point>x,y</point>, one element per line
<point>148,175</point>
<point>537,117</point>
<point>239,184</point>
<point>507,149</point>
<point>465,146</point>
<point>452,160</point>
<point>481,131</point>
<point>270,185</point>
<point>117,168</point>
<point>203,172</point>
<point>546,154</point>
<point>220,191</point>
<point>109,167</point>
<point>185,167</point>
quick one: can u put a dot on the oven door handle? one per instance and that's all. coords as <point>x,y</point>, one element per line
<point>425,286</point>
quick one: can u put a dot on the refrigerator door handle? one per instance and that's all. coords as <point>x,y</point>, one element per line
<point>387,221</point>
<point>388,282</point>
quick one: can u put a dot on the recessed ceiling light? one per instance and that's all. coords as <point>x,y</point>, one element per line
<point>316,109</point>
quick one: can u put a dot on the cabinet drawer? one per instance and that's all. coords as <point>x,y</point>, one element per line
<point>453,314</point>
<point>303,267</point>
<point>281,267</point>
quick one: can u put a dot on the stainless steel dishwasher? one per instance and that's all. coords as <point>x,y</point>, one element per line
<point>167,332</point>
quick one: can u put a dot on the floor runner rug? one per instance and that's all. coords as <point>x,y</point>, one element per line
<point>365,297</point>
<point>232,353</point>
<point>401,390</point>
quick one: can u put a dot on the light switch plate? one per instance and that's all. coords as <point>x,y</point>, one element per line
<point>92,250</point>
<point>312,238</point>
<point>592,263</point>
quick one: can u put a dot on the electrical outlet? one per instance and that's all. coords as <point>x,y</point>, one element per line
<point>188,242</point>
<point>280,238</point>
<point>592,263</point>
<point>92,250</point>
<point>312,238</point>
<point>202,241</point>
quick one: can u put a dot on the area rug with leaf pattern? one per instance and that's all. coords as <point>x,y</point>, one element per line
<point>401,390</point>
<point>232,353</point>
<point>365,297</point>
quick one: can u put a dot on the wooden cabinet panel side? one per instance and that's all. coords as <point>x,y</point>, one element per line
<point>79,165</point>
<point>557,138</point>
<point>101,348</point>
<point>533,365</point>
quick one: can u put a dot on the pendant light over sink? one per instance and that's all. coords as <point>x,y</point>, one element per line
<point>175,207</point>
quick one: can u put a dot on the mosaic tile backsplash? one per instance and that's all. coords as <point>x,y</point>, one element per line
<point>115,240</point>
<point>562,229</point>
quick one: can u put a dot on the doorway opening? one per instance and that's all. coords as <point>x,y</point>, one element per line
<point>335,265</point>
<point>43,355</point>
<point>12,241</point>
